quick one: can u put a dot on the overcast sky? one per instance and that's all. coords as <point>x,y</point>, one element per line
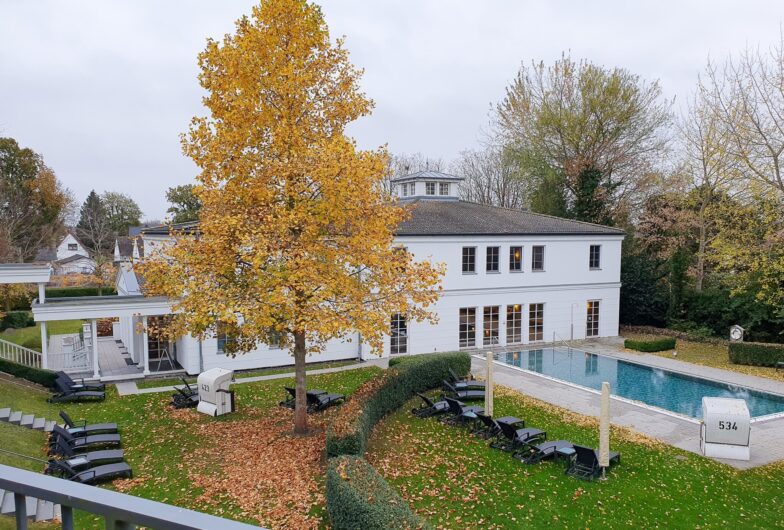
<point>102,89</point>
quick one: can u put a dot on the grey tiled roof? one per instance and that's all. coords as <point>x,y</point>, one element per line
<point>427,175</point>
<point>458,218</point>
<point>164,229</point>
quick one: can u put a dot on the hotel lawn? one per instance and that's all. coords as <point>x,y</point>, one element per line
<point>456,481</point>
<point>245,466</point>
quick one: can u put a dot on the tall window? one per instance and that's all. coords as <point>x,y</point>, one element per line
<point>592,322</point>
<point>514,324</point>
<point>492,259</point>
<point>469,259</point>
<point>467,327</point>
<point>490,336</point>
<point>225,337</point>
<point>430,188</point>
<point>275,340</point>
<point>515,259</point>
<point>536,322</point>
<point>398,334</point>
<point>595,257</point>
<point>412,188</point>
<point>537,258</point>
<point>404,190</point>
<point>443,188</point>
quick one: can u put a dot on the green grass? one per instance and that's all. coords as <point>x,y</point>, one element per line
<point>457,481</point>
<point>155,383</point>
<point>156,439</point>
<point>31,337</point>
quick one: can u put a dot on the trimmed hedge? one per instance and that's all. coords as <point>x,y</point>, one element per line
<point>665,343</point>
<point>36,375</point>
<point>358,498</point>
<point>63,292</point>
<point>348,434</point>
<point>756,353</point>
<point>16,320</point>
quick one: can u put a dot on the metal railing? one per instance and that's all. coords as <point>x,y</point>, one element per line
<point>120,511</point>
<point>19,354</point>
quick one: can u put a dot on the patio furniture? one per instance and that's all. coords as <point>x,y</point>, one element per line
<point>82,442</point>
<point>429,407</point>
<point>463,395</point>
<point>585,464</point>
<point>490,428</point>
<point>291,396</point>
<point>319,402</point>
<point>92,458</point>
<point>545,451</point>
<point>185,397</point>
<point>65,393</point>
<point>93,475</point>
<point>513,440</point>
<point>82,428</point>
<point>79,384</point>
<point>460,414</point>
<point>465,384</point>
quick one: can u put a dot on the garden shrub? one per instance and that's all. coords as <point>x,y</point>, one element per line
<point>358,498</point>
<point>63,292</point>
<point>35,375</point>
<point>664,343</point>
<point>16,320</point>
<point>349,432</point>
<point>756,353</point>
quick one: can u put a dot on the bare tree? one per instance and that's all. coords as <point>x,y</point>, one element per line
<point>491,177</point>
<point>406,163</point>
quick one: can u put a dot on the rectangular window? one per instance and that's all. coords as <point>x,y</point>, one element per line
<point>592,321</point>
<point>595,257</point>
<point>225,337</point>
<point>404,190</point>
<point>515,259</point>
<point>443,188</point>
<point>492,259</point>
<point>275,340</point>
<point>467,327</point>
<point>73,246</point>
<point>490,337</point>
<point>535,322</point>
<point>514,324</point>
<point>469,259</point>
<point>430,188</point>
<point>537,258</point>
<point>398,335</point>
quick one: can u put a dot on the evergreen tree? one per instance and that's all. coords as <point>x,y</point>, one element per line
<point>94,227</point>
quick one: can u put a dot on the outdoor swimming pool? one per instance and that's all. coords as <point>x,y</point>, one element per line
<point>659,388</point>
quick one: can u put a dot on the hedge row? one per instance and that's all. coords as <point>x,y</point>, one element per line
<point>16,320</point>
<point>665,343</point>
<point>358,498</point>
<point>666,332</point>
<point>756,353</point>
<point>348,434</point>
<point>36,375</point>
<point>62,292</point>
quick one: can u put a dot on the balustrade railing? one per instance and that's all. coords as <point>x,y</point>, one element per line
<point>19,354</point>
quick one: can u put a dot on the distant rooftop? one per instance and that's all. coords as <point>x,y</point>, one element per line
<point>428,175</point>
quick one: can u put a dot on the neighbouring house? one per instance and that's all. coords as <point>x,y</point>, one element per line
<point>70,256</point>
<point>514,280</point>
<point>128,248</point>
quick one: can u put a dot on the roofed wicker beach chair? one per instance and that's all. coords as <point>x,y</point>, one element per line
<point>462,395</point>
<point>82,428</point>
<point>585,464</point>
<point>65,393</point>
<point>465,384</point>
<point>514,439</point>
<point>429,407</point>
<point>534,454</point>
<point>93,475</point>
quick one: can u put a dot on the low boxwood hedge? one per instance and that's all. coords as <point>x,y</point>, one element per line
<point>358,498</point>
<point>348,433</point>
<point>756,353</point>
<point>36,375</point>
<point>63,292</point>
<point>664,343</point>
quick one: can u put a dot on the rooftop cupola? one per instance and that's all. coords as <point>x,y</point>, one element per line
<point>427,185</point>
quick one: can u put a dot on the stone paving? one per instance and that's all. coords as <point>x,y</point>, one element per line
<point>767,437</point>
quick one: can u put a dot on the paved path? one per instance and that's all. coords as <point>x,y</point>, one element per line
<point>767,437</point>
<point>129,387</point>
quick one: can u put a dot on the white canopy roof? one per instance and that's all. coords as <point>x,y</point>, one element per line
<point>88,307</point>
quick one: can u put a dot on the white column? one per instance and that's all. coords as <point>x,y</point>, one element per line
<point>94,338</point>
<point>41,293</point>
<point>44,347</point>
<point>145,347</point>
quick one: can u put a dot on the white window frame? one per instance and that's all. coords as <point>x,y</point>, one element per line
<point>598,255</point>
<point>443,188</point>
<point>465,339</point>
<point>497,259</point>
<point>463,260</point>
<point>520,261</point>
<point>592,318</point>
<point>533,257</point>
<point>430,188</point>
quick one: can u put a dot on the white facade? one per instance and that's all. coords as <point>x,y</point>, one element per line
<point>70,246</point>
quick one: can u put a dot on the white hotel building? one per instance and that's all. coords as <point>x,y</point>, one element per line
<point>513,279</point>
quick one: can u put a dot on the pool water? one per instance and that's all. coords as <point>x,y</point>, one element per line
<point>659,388</point>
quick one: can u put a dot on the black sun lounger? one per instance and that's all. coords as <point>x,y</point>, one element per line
<point>79,384</point>
<point>462,395</point>
<point>513,439</point>
<point>92,475</point>
<point>82,428</point>
<point>465,384</point>
<point>185,397</point>
<point>319,402</point>
<point>429,407</point>
<point>585,464</point>
<point>81,460</point>
<point>534,454</point>
<point>82,442</point>
<point>488,427</point>
<point>291,396</point>
<point>65,393</point>
<point>460,414</point>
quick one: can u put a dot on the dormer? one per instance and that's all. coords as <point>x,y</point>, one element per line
<point>427,185</point>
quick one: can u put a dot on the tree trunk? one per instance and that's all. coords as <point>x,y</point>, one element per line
<point>301,402</point>
<point>700,273</point>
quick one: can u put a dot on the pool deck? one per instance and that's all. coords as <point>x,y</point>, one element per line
<point>767,436</point>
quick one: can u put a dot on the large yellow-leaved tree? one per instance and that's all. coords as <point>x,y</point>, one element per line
<point>295,236</point>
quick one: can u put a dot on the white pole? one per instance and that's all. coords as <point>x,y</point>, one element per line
<point>489,385</point>
<point>604,428</point>
<point>44,347</point>
<point>94,338</point>
<point>145,347</point>
<point>41,293</point>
